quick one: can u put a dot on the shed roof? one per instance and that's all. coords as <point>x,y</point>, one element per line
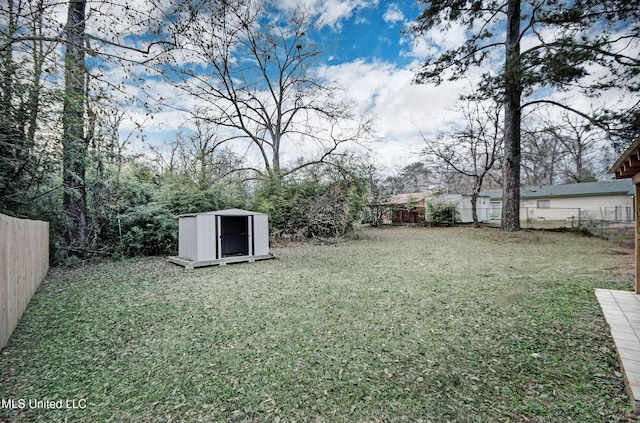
<point>225,212</point>
<point>584,189</point>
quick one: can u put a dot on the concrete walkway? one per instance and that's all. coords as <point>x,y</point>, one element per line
<point>622,311</point>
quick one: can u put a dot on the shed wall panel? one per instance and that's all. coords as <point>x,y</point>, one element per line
<point>187,237</point>
<point>260,234</point>
<point>464,209</point>
<point>207,237</point>
<point>483,208</point>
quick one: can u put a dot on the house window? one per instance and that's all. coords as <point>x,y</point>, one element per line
<point>544,204</point>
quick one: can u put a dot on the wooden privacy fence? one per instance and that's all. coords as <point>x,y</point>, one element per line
<point>24,261</point>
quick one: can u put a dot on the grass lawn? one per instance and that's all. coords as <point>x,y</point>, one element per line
<point>404,324</point>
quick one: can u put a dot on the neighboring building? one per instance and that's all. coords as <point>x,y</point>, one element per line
<point>463,206</point>
<point>605,200</point>
<point>408,208</point>
<point>412,207</point>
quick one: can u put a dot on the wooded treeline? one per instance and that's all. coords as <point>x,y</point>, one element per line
<point>66,157</point>
<point>78,88</point>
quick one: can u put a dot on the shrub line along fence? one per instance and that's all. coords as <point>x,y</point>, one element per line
<point>24,262</point>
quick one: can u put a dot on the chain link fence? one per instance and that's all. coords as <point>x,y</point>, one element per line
<point>616,222</point>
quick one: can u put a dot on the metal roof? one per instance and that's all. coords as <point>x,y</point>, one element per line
<point>412,196</point>
<point>226,212</point>
<point>584,189</point>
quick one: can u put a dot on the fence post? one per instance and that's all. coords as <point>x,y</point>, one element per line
<point>579,217</point>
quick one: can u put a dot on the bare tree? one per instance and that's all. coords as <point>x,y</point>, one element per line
<point>204,156</point>
<point>579,139</point>
<point>473,150</point>
<point>197,154</point>
<point>541,157</point>
<point>560,150</point>
<point>115,141</point>
<point>377,206</point>
<point>26,61</point>
<point>257,81</point>
<point>414,177</point>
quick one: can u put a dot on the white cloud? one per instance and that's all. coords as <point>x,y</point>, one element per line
<point>393,14</point>
<point>332,11</point>
<point>402,109</point>
<point>328,12</point>
<point>385,40</point>
<point>438,39</point>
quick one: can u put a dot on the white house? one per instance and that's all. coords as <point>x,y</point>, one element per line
<point>463,205</point>
<point>604,200</point>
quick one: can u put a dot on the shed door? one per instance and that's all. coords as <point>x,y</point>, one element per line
<point>260,235</point>
<point>234,235</point>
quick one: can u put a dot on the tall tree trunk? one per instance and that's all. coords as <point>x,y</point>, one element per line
<point>512,116</point>
<point>474,209</point>
<point>474,200</point>
<point>74,142</point>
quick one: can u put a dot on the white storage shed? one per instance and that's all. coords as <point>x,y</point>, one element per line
<point>221,237</point>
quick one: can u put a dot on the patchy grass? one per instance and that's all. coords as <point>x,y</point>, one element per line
<point>406,324</point>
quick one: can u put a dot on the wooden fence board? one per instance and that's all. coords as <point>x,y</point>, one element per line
<point>4,287</point>
<point>24,262</point>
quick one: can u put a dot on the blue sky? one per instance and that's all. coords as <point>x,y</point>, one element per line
<point>372,33</point>
<point>375,63</point>
<point>365,50</point>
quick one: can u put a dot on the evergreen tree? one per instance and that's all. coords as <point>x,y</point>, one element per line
<point>584,45</point>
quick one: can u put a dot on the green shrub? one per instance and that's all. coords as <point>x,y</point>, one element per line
<point>141,216</point>
<point>442,214</point>
<point>148,230</point>
<point>310,207</point>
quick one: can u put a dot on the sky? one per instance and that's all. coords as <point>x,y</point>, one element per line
<point>375,63</point>
<point>369,56</point>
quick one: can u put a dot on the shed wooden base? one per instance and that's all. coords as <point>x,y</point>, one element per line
<point>190,264</point>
